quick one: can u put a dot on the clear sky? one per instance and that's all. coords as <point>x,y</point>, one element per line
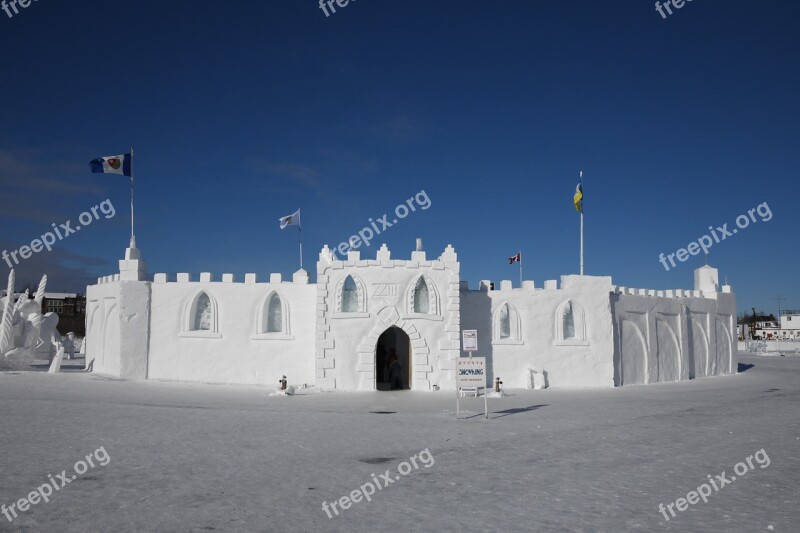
<point>241,112</point>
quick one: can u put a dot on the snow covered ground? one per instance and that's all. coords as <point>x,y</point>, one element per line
<point>190,457</point>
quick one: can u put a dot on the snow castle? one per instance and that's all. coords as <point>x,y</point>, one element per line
<point>340,332</point>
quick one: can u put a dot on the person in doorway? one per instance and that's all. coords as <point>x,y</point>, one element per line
<point>382,365</point>
<point>395,371</point>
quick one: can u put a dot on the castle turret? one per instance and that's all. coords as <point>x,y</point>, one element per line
<point>706,279</point>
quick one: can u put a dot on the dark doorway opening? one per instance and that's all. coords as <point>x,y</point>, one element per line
<point>393,360</point>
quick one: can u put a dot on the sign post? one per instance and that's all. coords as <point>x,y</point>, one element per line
<point>470,340</point>
<point>471,371</point>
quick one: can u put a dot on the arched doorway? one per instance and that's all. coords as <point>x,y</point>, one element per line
<point>393,341</point>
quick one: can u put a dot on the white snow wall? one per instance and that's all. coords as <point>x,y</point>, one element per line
<point>141,330</point>
<point>236,349</point>
<point>536,340</point>
<point>103,328</point>
<point>673,335</point>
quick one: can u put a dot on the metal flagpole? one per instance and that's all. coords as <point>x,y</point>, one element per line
<point>520,269</point>
<point>581,182</point>
<point>133,235</point>
<point>300,237</point>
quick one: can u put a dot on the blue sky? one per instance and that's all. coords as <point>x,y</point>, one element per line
<point>242,112</point>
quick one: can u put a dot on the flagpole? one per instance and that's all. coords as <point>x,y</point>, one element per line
<point>133,235</point>
<point>520,269</point>
<point>581,180</point>
<point>300,237</point>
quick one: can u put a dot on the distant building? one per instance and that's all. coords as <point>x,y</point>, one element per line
<point>786,328</point>
<point>63,304</point>
<point>790,320</point>
<point>70,308</point>
<point>4,292</point>
<point>766,329</point>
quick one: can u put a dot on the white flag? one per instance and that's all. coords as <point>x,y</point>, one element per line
<point>290,220</point>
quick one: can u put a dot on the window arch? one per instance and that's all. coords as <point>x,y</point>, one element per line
<point>351,297</point>
<point>422,297</point>
<point>504,323</point>
<point>203,313</point>
<point>272,317</point>
<point>570,324</point>
<point>201,317</point>
<point>506,328</point>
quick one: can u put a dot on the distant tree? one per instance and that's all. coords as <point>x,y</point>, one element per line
<point>749,318</point>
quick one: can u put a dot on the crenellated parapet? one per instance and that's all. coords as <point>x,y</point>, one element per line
<point>447,260</point>
<point>300,278</point>
<point>507,286</point>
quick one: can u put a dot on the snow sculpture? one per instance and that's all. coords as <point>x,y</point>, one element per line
<point>24,330</point>
<point>55,366</point>
<point>68,341</point>
<point>6,325</point>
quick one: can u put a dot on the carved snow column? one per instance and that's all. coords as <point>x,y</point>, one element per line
<point>40,290</point>
<point>6,332</point>
<point>134,316</point>
<point>324,360</point>
<point>450,347</point>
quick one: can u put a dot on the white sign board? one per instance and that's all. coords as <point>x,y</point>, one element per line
<point>470,340</point>
<point>471,372</point>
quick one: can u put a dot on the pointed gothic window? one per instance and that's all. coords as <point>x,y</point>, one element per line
<point>568,318</point>
<point>504,323</point>
<point>275,315</point>
<point>421,297</point>
<point>349,296</point>
<point>203,314</point>
<point>570,324</point>
<point>200,317</point>
<point>506,327</point>
<point>273,318</point>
